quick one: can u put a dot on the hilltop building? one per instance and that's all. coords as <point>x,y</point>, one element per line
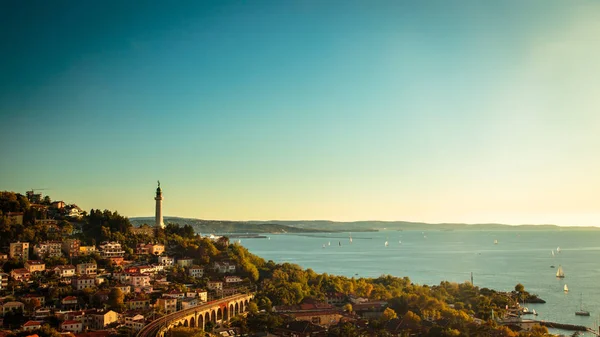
<point>159,216</point>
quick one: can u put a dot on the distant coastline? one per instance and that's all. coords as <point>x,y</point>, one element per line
<point>325,226</point>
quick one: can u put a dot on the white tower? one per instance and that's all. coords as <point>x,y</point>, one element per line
<point>159,216</point>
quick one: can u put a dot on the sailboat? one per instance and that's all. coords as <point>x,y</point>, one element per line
<point>559,272</point>
<point>329,243</point>
<point>495,242</point>
<point>552,252</point>
<point>339,243</point>
<point>387,243</point>
<point>581,312</point>
<point>558,249</point>
<point>566,289</point>
<point>350,237</point>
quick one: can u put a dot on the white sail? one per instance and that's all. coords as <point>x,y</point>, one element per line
<point>558,249</point>
<point>552,252</point>
<point>566,289</point>
<point>387,243</point>
<point>560,273</point>
<point>495,242</point>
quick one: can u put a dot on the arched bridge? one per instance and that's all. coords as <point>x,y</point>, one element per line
<point>196,317</point>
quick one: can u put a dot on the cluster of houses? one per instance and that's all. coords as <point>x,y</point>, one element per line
<point>83,308</point>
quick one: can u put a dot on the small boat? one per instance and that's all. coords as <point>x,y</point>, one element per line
<point>558,249</point>
<point>534,313</point>
<point>329,243</point>
<point>350,238</point>
<point>387,244</point>
<point>400,242</point>
<point>581,312</point>
<point>339,243</point>
<point>495,242</point>
<point>566,289</point>
<point>560,273</point>
<point>552,266</point>
<point>552,252</point>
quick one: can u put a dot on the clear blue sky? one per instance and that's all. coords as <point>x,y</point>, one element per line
<point>438,111</point>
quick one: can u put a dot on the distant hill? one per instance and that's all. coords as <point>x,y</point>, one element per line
<point>218,226</point>
<point>303,226</point>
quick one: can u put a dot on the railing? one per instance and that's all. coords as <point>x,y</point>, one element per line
<point>152,328</point>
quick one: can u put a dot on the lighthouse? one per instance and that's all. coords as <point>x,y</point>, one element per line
<point>159,216</point>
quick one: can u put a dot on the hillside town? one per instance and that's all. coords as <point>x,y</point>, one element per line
<point>67,272</point>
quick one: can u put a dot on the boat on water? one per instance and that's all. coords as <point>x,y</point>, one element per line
<point>558,249</point>
<point>329,243</point>
<point>350,237</point>
<point>387,244</point>
<point>581,312</point>
<point>339,243</point>
<point>560,273</point>
<point>552,252</point>
<point>566,289</point>
<point>495,242</point>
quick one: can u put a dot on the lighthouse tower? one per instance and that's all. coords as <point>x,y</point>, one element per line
<point>159,216</point>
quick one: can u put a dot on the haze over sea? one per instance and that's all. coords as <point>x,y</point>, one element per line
<point>430,257</point>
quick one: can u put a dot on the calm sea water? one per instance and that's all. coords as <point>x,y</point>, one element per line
<point>433,256</point>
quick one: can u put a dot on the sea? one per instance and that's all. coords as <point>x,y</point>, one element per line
<point>498,260</point>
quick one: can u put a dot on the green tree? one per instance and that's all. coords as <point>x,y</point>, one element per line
<point>520,288</point>
<point>116,299</point>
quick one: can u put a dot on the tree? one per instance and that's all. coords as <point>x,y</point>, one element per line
<point>388,314</point>
<point>47,200</point>
<point>116,299</point>
<point>519,288</point>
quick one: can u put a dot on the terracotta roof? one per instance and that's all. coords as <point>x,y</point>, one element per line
<point>70,322</point>
<point>32,323</point>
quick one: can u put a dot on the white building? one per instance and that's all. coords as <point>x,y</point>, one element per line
<point>196,271</point>
<point>111,249</point>
<point>166,261</point>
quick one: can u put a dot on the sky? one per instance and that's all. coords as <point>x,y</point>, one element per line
<point>434,111</point>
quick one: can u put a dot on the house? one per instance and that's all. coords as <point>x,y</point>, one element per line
<point>102,295</point>
<point>233,279</point>
<point>214,285</point>
<point>14,218</point>
<point>58,204</point>
<point>104,318</point>
<point>32,325</point>
<point>167,304</point>
<point>138,303</point>
<point>174,294</point>
<point>185,262</point>
<point>202,295</point>
<point>224,267</point>
<point>166,261</point>
<point>41,313</point>
<point>139,280</point>
<point>116,260</point>
<point>189,302</point>
<point>12,307</point>
<point>83,282</point>
<point>89,268</point>
<point>147,269</point>
<point>196,271</point>
<point>30,297</point>
<point>125,288</point>
<point>64,270</point>
<point>336,298</point>
<point>152,249</point>
<point>71,325</point>
<point>301,329</point>
<point>122,277</point>
<point>35,266</point>
<point>132,270</point>
<point>19,250</point>
<point>69,302</point>
<point>111,249</point>
<point>20,274</point>
<point>86,250</point>
<point>3,281</point>
<point>371,309</point>
<point>48,249</point>
<point>324,318</point>
<point>135,322</point>
<point>71,247</point>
